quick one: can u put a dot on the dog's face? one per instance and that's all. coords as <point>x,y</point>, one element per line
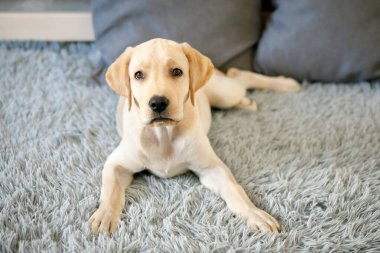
<point>158,77</point>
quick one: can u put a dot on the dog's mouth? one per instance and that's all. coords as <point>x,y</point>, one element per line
<point>159,121</point>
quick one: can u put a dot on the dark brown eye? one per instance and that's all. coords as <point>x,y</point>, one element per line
<point>176,72</point>
<point>139,75</point>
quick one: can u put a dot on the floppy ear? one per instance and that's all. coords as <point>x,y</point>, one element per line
<point>117,75</point>
<point>200,69</point>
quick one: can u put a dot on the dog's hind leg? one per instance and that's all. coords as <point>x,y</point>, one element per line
<point>224,92</point>
<point>257,81</point>
<point>247,104</point>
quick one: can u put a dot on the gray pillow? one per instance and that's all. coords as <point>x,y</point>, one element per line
<point>322,40</point>
<point>221,29</point>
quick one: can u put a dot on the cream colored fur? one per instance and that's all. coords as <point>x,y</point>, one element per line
<point>172,147</point>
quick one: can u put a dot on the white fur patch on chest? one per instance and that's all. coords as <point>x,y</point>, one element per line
<point>163,154</point>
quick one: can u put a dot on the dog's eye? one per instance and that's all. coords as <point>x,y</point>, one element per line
<point>176,72</point>
<point>139,75</point>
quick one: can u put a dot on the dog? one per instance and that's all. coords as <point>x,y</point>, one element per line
<point>163,116</point>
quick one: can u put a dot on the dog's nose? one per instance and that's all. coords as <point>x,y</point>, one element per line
<point>158,103</point>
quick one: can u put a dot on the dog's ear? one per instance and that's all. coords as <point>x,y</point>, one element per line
<point>117,75</point>
<point>200,69</point>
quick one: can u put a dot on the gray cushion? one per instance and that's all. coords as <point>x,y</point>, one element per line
<point>221,29</point>
<point>322,40</point>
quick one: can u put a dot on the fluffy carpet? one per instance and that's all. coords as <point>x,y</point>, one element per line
<point>311,159</point>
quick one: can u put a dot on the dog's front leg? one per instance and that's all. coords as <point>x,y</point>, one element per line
<point>217,177</point>
<point>115,179</point>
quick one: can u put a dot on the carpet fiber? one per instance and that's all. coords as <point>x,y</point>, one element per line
<point>311,159</point>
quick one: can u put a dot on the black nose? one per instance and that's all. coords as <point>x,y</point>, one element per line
<point>158,103</point>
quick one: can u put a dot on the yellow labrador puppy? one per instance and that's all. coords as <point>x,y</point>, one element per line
<point>163,117</point>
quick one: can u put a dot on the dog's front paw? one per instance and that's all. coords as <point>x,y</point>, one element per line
<point>104,221</point>
<point>258,219</point>
<point>285,84</point>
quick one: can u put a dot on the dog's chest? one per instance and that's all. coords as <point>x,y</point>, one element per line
<point>162,154</point>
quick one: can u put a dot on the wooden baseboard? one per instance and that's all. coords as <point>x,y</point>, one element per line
<point>48,26</point>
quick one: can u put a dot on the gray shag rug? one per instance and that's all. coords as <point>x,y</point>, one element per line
<point>311,159</point>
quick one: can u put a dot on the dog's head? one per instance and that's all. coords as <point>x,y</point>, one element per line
<point>158,77</point>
